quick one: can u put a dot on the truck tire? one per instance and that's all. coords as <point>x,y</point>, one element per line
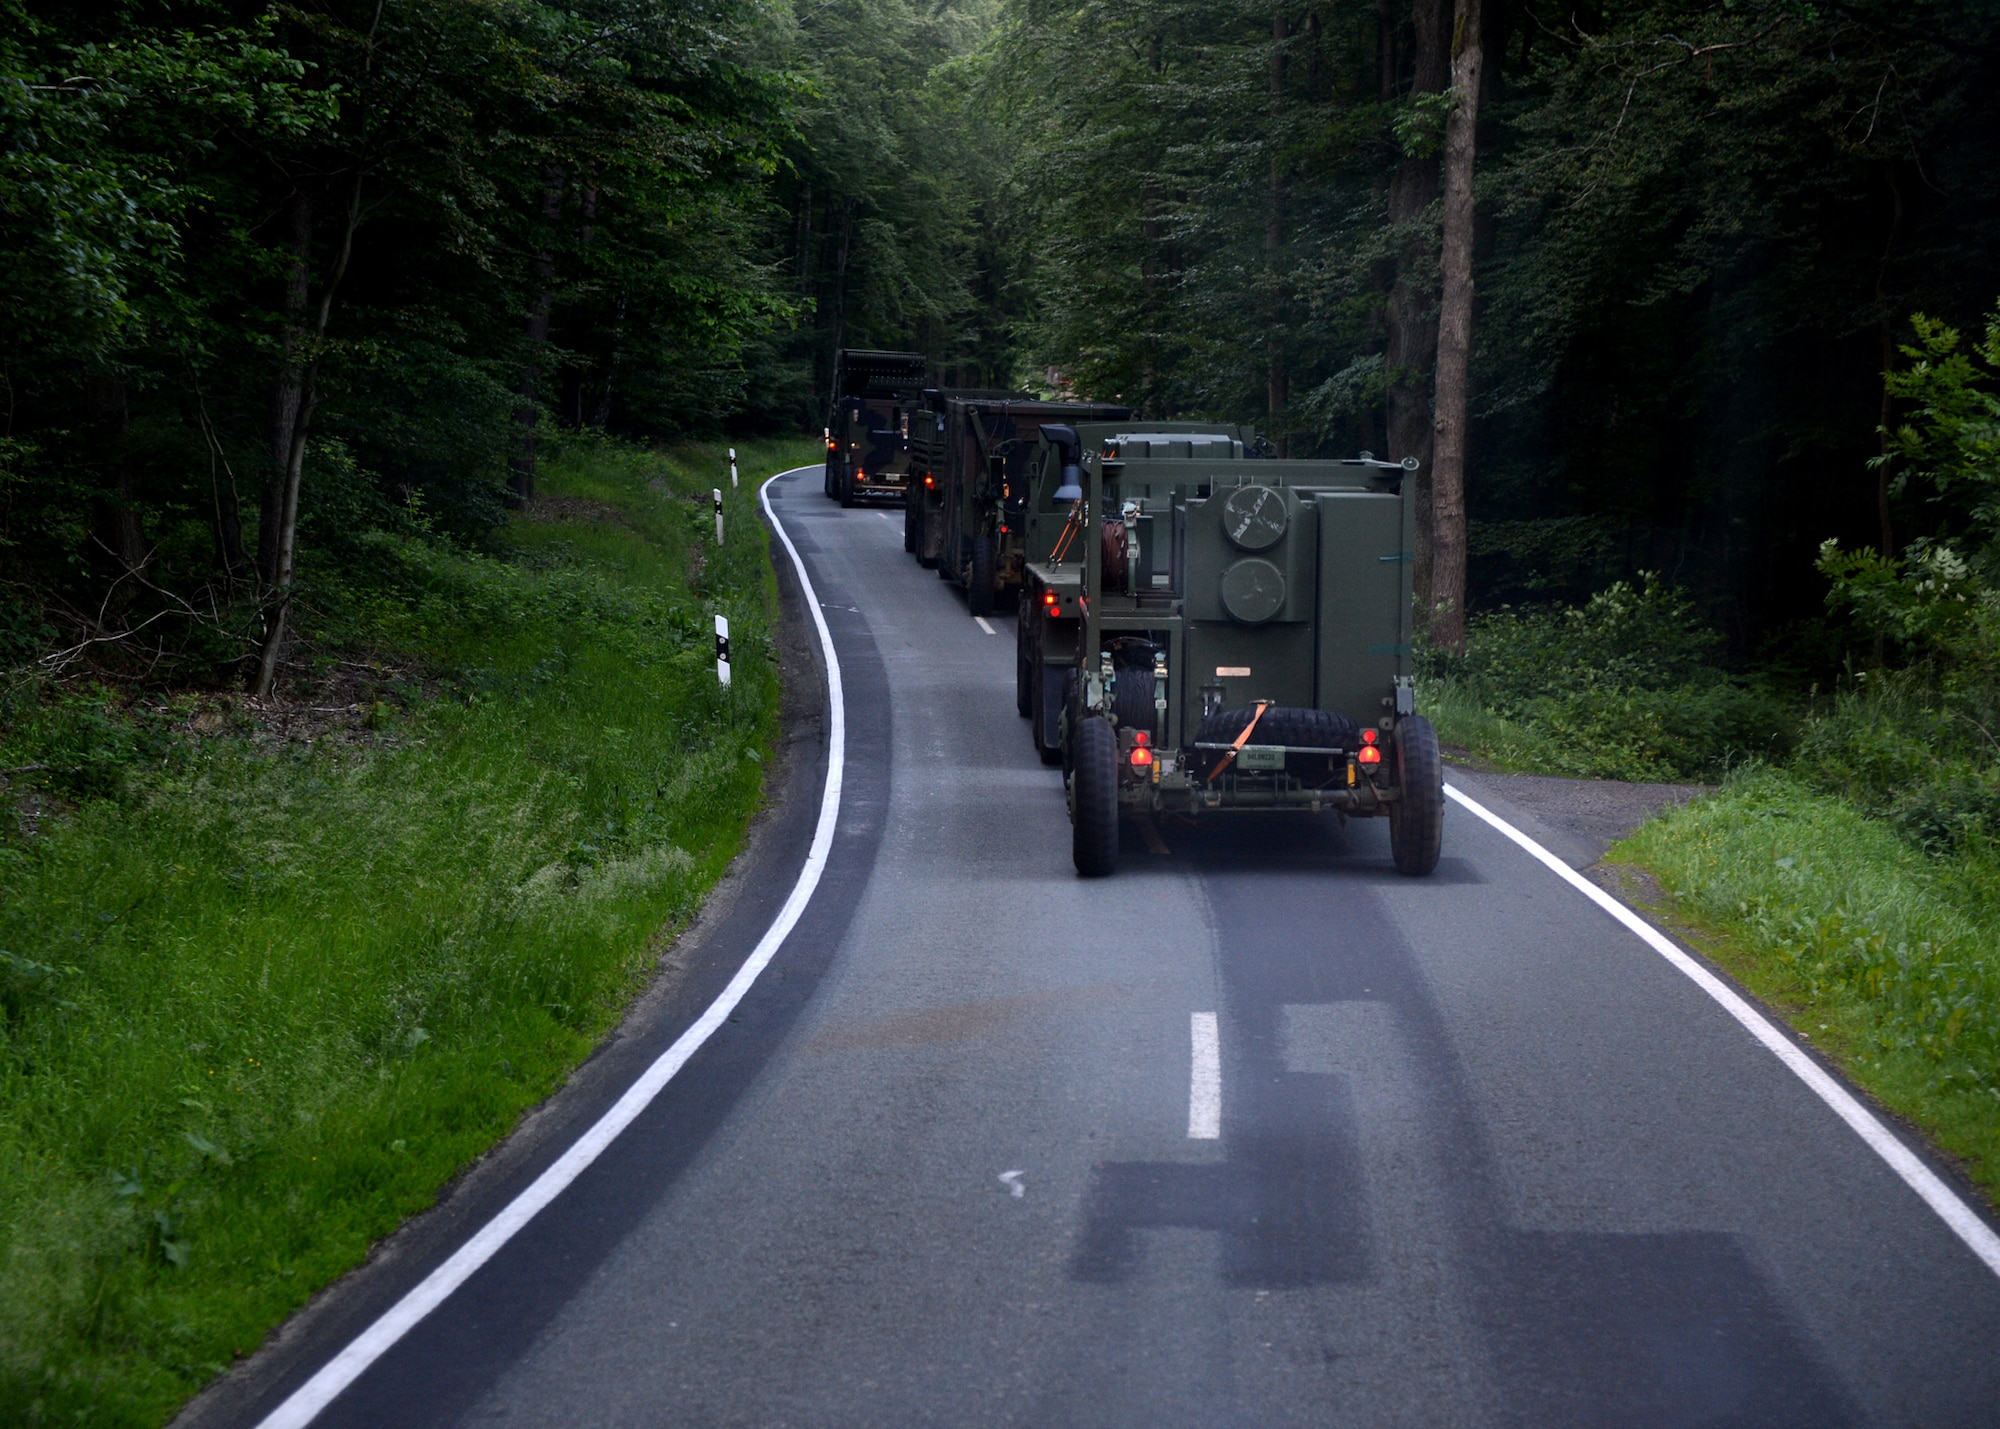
<point>1416,820</point>
<point>1094,798</point>
<point>826,479</point>
<point>1283,724</point>
<point>913,520</point>
<point>1132,702</point>
<point>1048,712</point>
<point>843,488</point>
<point>979,583</point>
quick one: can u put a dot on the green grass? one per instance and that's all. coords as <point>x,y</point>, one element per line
<point>258,1006</point>
<point>1887,959</point>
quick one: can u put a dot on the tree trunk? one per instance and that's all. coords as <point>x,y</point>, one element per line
<point>1454,349</point>
<point>1412,341</point>
<point>283,550</point>
<point>1888,328</point>
<point>527,414</point>
<point>1277,377</point>
<point>839,305</point>
<point>288,390</point>
<point>117,501</point>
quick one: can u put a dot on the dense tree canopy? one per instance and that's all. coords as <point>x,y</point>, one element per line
<point>349,260</point>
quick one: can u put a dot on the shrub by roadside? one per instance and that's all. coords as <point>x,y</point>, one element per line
<point>1625,686</point>
<point>260,1000</point>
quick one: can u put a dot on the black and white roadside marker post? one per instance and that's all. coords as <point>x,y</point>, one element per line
<point>722,649</point>
<point>732,468</point>
<point>718,515</point>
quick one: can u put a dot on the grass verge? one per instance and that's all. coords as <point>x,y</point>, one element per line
<point>260,1003</point>
<point>1886,959</point>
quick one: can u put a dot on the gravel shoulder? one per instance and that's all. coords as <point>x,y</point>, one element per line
<point>1576,819</point>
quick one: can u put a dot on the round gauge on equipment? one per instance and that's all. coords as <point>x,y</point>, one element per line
<point>1253,518</point>
<point>1253,590</point>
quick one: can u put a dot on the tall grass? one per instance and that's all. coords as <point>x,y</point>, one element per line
<point>259,1005</point>
<point>1887,956</point>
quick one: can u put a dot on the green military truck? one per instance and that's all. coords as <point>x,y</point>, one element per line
<point>971,454</point>
<point>868,428</point>
<point>1229,632</point>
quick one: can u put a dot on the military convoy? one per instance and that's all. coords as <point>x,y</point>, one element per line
<point>970,456</point>
<point>868,428</point>
<point>1202,628</point>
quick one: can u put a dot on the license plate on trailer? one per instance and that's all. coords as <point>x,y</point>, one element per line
<point>1262,756</point>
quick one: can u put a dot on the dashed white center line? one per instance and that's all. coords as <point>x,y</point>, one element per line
<point>886,517</point>
<point>980,621</point>
<point>1205,1079</point>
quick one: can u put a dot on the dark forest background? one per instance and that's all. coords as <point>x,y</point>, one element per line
<point>333,266</point>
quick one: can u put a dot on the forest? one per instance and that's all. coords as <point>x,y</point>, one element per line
<point>368,366</point>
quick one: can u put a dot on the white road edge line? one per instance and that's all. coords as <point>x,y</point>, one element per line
<point>980,621</point>
<point>372,1343</point>
<point>1964,1222</point>
<point>1205,1079</point>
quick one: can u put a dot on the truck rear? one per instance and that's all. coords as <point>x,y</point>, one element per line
<point>868,428</point>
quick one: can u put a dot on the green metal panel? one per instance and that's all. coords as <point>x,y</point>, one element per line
<point>1364,582</point>
<point>1247,663</point>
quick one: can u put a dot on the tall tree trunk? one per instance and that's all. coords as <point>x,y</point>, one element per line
<point>1277,376</point>
<point>527,413</point>
<point>839,305</point>
<point>1412,341</point>
<point>1886,322</point>
<point>601,418</point>
<point>288,389</point>
<point>117,501</point>
<point>1454,349</point>
<point>283,552</point>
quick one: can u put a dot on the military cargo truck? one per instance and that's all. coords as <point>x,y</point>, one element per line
<point>969,490</point>
<point>1232,633</point>
<point>868,429</point>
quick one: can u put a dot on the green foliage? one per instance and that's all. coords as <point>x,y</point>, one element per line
<point>1625,686</point>
<point>1890,959</point>
<point>1942,599</point>
<point>260,1000</point>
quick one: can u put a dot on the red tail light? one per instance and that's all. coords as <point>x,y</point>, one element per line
<point>1368,736</point>
<point>930,481</point>
<point>1141,757</point>
<point>1369,754</point>
<point>1142,738</point>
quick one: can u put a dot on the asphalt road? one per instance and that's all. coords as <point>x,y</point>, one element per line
<point>1481,1156</point>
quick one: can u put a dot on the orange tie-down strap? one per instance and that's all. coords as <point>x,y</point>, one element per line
<point>1241,740</point>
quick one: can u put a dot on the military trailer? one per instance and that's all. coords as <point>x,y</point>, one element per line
<point>971,453</point>
<point>1048,626</point>
<point>1232,633</point>
<point>868,429</point>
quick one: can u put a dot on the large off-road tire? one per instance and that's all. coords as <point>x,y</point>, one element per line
<point>826,479</point>
<point>1132,701</point>
<point>1282,724</point>
<point>1042,694</point>
<point>1416,820</point>
<point>979,580</point>
<point>1094,798</point>
<point>843,487</point>
<point>913,520</point>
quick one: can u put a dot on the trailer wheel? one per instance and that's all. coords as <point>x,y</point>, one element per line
<point>1416,820</point>
<point>979,586</point>
<point>1094,798</point>
<point>913,517</point>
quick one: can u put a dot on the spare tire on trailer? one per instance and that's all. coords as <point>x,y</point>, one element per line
<point>1282,724</point>
<point>1093,784</point>
<point>1416,818</point>
<point>1132,701</point>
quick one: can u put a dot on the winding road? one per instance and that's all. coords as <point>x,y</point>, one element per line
<point>1254,1133</point>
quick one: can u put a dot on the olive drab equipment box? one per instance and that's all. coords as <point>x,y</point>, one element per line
<point>1204,629</point>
